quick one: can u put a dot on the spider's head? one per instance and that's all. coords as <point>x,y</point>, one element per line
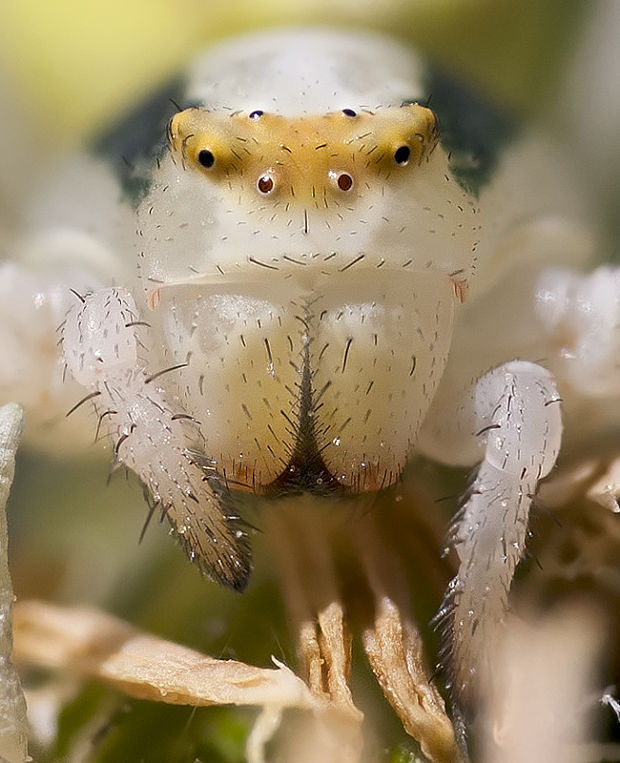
<point>305,196</point>
<point>323,161</point>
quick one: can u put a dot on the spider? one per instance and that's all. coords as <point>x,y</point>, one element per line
<point>334,273</point>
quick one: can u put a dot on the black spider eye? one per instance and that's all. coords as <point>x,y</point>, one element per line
<point>402,154</point>
<point>349,113</point>
<point>206,158</point>
<point>256,114</point>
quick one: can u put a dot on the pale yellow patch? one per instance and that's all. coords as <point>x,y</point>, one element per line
<point>303,159</point>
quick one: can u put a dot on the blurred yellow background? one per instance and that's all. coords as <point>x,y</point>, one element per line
<point>77,64</point>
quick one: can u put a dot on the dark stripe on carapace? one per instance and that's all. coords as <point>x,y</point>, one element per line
<point>473,129</point>
<point>134,144</point>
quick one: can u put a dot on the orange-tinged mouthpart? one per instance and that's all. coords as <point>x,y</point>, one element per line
<point>303,158</point>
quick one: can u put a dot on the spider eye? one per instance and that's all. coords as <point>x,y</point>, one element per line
<point>265,184</point>
<point>206,158</point>
<point>349,113</point>
<point>256,114</point>
<point>344,182</point>
<point>402,154</point>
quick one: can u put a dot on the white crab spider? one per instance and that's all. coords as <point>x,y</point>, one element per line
<point>324,288</point>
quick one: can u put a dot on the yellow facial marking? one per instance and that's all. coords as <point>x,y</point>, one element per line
<point>303,158</point>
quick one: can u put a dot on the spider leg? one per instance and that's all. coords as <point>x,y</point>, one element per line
<point>101,350</point>
<point>511,418</point>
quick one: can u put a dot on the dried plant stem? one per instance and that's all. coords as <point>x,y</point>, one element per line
<point>304,538</point>
<point>394,648</point>
<point>314,602</point>
<point>303,555</point>
<point>13,724</point>
<point>292,574</point>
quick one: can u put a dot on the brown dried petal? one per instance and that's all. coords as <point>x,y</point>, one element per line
<point>394,650</point>
<point>104,647</point>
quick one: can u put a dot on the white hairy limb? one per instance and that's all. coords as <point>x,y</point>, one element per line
<point>511,416</point>
<point>160,444</point>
